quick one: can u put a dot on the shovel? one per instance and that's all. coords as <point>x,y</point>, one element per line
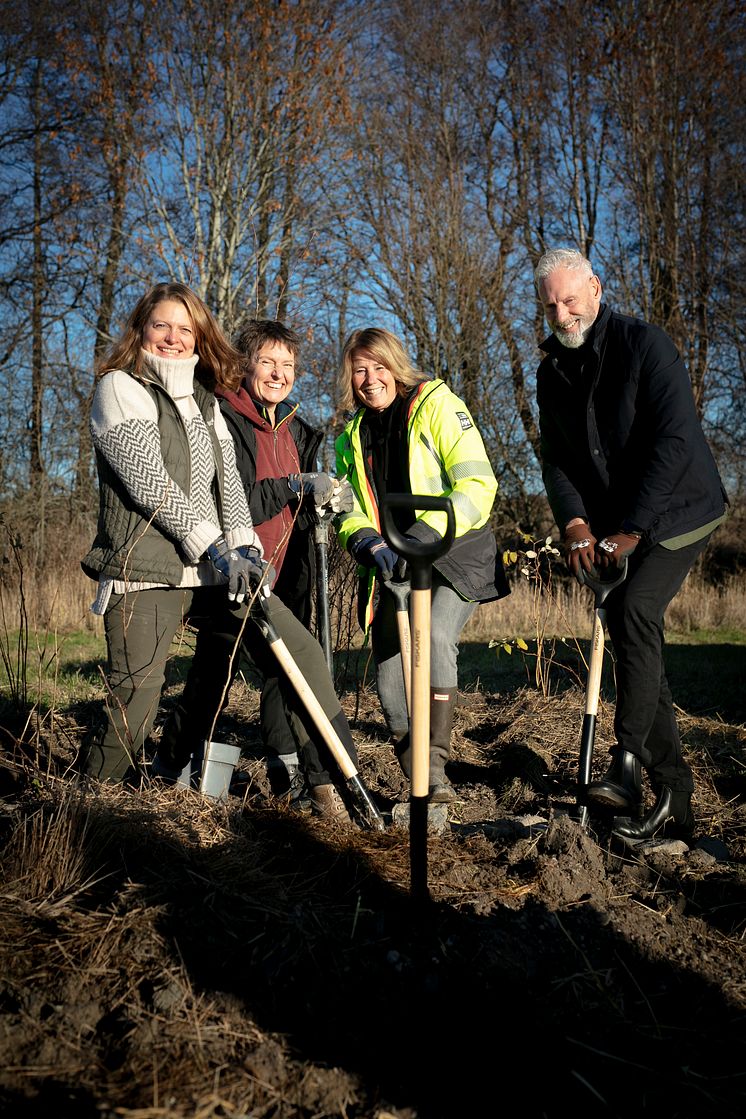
<point>437,814</point>
<point>321,540</point>
<point>420,558</point>
<point>401,589</point>
<point>602,584</point>
<point>361,798</point>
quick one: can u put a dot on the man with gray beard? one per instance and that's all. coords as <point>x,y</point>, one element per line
<point>628,474</point>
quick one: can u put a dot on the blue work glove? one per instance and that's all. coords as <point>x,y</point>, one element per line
<point>240,566</point>
<point>316,485</point>
<point>373,551</point>
<point>260,569</point>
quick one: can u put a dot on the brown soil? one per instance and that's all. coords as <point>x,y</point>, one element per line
<point>164,956</point>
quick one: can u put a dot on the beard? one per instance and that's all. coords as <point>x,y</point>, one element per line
<point>575,340</point>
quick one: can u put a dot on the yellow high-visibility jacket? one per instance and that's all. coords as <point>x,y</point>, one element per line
<point>447,458</point>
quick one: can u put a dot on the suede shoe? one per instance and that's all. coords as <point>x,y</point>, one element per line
<point>327,803</point>
<point>671,815</point>
<point>620,786</point>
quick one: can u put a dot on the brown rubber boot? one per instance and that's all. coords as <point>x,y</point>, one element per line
<point>403,751</point>
<point>327,803</point>
<point>442,707</point>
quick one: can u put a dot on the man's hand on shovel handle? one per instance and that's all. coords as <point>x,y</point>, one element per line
<point>613,549</point>
<point>579,545</point>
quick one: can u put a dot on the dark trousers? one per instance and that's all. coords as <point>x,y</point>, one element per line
<point>644,721</point>
<point>273,719</point>
<point>140,627</point>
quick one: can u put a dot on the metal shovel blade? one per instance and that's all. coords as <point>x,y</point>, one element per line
<point>437,817</point>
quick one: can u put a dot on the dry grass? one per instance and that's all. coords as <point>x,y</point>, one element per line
<point>567,611</point>
<point>62,605</point>
<point>169,958</point>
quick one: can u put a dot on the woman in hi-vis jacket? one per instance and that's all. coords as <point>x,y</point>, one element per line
<point>411,434</point>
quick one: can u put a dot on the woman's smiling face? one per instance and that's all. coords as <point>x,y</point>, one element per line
<point>373,384</point>
<point>169,331</point>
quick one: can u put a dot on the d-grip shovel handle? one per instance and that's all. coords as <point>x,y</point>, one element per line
<point>418,553</point>
<point>603,584</point>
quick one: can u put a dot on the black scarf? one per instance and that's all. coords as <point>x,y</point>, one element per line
<point>386,452</point>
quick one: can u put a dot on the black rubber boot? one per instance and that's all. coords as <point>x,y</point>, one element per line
<point>671,815</point>
<point>620,786</point>
<point>442,707</point>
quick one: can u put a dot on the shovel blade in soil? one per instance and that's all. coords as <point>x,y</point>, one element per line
<point>437,816</point>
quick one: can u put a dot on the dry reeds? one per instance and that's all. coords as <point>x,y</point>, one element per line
<point>567,611</point>
<point>61,603</point>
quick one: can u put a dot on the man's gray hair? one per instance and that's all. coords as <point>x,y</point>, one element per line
<point>561,258</point>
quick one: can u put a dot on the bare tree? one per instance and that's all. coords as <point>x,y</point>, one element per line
<point>31,197</point>
<point>111,81</point>
<point>677,100</point>
<point>250,95</point>
<point>409,174</point>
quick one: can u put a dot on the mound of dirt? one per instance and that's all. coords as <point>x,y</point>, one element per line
<point>167,956</point>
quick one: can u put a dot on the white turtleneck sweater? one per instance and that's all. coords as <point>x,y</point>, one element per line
<point>124,427</point>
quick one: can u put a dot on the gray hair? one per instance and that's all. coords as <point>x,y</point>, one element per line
<point>561,258</point>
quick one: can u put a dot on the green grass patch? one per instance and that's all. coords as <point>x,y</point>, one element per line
<point>706,668</point>
<point>706,677</point>
<point>707,637</point>
<point>59,669</point>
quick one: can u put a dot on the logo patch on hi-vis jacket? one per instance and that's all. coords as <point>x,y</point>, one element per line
<point>464,421</point>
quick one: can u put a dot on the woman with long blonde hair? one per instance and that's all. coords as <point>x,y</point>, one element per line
<point>175,540</point>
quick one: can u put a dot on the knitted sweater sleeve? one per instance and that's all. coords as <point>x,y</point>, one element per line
<point>124,428</point>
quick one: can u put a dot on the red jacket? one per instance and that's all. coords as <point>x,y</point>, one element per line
<point>265,456</point>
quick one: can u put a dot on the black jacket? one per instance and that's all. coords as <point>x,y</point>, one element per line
<point>266,498</point>
<point>621,442</point>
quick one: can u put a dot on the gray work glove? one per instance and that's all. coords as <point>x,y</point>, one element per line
<point>242,567</point>
<point>316,485</point>
<point>342,499</point>
<point>261,569</point>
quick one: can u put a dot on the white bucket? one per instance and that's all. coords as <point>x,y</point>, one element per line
<point>217,769</point>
